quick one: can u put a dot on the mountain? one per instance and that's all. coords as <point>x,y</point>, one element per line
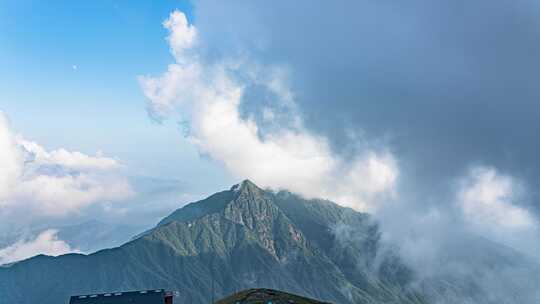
<point>236,239</point>
<point>94,235</point>
<point>246,237</point>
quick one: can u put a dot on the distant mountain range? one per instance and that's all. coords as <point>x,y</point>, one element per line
<point>247,237</point>
<point>106,226</point>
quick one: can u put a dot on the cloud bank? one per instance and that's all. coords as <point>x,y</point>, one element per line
<point>488,201</point>
<point>56,183</point>
<point>242,110</point>
<point>444,85</point>
<point>210,94</point>
<point>372,102</point>
<point>58,189</point>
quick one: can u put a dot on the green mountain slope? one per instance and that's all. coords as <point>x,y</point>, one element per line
<point>236,239</point>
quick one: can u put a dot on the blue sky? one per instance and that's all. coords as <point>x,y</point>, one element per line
<point>69,79</point>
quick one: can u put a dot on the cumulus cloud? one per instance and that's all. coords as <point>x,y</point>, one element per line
<point>447,89</point>
<point>62,157</point>
<point>210,96</point>
<point>486,199</point>
<point>36,181</point>
<point>488,202</point>
<point>182,34</point>
<point>47,243</point>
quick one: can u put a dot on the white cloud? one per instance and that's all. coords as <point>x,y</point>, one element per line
<point>80,161</point>
<point>46,243</point>
<point>10,159</point>
<point>56,183</point>
<point>182,34</point>
<point>209,95</point>
<point>487,199</point>
<point>67,159</point>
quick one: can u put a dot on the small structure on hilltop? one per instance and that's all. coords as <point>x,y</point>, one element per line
<point>157,296</point>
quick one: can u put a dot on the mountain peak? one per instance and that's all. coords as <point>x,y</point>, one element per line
<point>215,203</point>
<point>246,186</point>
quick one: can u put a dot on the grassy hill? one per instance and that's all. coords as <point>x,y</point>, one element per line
<point>265,296</point>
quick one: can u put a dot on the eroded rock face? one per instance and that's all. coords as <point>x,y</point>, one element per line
<point>255,209</point>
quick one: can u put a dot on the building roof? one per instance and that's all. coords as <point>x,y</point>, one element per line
<point>156,296</point>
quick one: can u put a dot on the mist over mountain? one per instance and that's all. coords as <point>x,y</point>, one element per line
<point>240,238</point>
<point>104,225</point>
<point>393,148</point>
<point>88,236</point>
<point>247,237</point>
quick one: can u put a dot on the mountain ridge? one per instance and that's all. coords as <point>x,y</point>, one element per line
<point>242,238</point>
<point>214,203</point>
